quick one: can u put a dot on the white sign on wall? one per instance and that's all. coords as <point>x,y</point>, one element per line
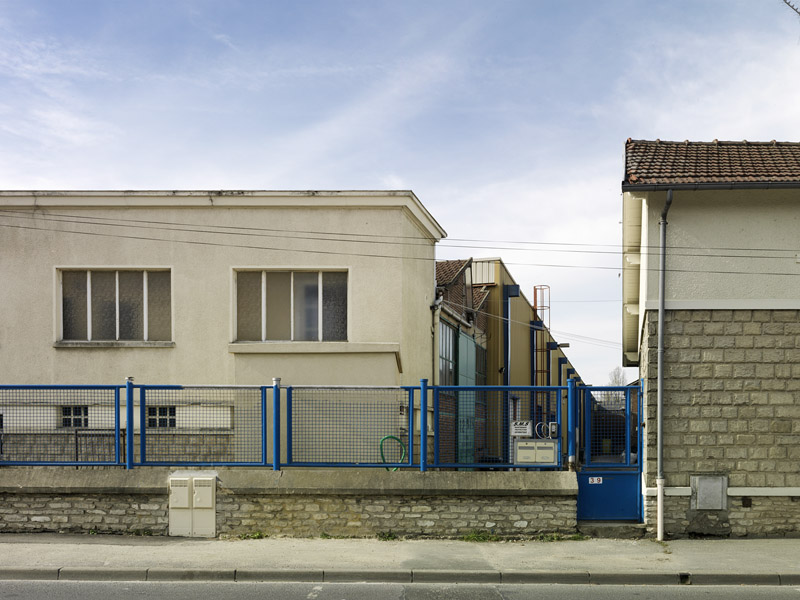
<point>521,428</point>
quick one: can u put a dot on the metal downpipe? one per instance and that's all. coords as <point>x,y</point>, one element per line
<point>662,224</point>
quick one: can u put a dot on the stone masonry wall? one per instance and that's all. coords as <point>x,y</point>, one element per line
<point>296,515</point>
<point>744,517</point>
<point>299,503</point>
<point>442,516</point>
<point>731,407</point>
<point>83,513</point>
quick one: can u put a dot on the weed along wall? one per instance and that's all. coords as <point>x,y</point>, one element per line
<point>299,503</point>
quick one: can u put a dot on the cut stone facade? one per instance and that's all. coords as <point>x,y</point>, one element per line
<point>731,407</point>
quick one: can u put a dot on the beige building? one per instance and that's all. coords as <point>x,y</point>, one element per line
<point>730,376</point>
<point>229,287</point>
<point>489,333</point>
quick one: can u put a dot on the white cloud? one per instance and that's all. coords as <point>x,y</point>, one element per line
<point>738,87</point>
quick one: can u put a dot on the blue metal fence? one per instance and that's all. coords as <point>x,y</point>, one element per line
<point>420,427</point>
<point>60,425</point>
<point>472,425</point>
<point>610,427</point>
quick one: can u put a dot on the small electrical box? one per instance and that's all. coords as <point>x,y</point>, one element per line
<point>192,504</point>
<point>542,453</point>
<point>179,492</point>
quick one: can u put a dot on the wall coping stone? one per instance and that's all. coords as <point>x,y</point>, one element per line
<point>339,482</point>
<point>329,482</point>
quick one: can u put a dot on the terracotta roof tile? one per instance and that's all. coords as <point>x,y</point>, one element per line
<point>479,296</point>
<point>657,162</point>
<point>447,270</point>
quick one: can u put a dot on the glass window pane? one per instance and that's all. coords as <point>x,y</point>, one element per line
<point>334,306</point>
<point>279,302</point>
<point>248,306</point>
<point>306,306</point>
<point>131,305</point>
<point>104,305</point>
<point>159,306</point>
<point>73,304</point>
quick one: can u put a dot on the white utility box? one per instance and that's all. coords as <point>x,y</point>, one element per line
<point>193,504</point>
<point>536,452</point>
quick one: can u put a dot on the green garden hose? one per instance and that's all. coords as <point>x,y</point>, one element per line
<point>399,441</point>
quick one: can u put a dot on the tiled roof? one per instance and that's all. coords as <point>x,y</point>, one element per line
<point>447,270</point>
<point>479,296</point>
<point>657,162</point>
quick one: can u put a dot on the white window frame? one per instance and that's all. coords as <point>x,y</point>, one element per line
<point>291,271</point>
<point>59,304</point>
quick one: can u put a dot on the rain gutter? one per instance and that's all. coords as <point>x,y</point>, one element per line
<point>740,185</point>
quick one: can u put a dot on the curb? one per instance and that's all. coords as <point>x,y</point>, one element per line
<point>393,576</point>
<point>102,574</point>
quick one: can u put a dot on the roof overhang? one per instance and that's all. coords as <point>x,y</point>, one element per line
<point>631,263</point>
<point>730,185</point>
<point>404,199</point>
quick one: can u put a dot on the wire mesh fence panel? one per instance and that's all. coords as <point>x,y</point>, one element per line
<point>350,425</point>
<point>612,426</point>
<point>200,425</point>
<point>59,425</point>
<point>472,425</point>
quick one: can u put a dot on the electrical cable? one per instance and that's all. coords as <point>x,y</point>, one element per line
<point>632,268</point>
<point>308,234</point>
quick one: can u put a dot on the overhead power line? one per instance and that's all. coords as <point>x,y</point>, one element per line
<point>479,244</point>
<point>565,334</point>
<point>375,255</point>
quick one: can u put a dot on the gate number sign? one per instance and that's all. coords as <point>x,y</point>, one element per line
<point>595,480</point>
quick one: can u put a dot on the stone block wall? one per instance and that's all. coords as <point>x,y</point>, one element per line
<point>427,516</point>
<point>83,513</point>
<point>745,516</point>
<point>731,407</point>
<point>300,503</point>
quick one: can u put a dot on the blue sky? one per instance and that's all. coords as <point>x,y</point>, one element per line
<point>507,118</point>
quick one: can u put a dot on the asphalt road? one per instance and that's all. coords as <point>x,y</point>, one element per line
<point>82,590</point>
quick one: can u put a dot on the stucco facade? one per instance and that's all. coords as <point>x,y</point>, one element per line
<point>380,243</point>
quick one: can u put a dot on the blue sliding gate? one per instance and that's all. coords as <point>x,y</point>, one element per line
<point>610,471</point>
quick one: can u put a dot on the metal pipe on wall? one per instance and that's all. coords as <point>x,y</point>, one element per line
<point>662,224</point>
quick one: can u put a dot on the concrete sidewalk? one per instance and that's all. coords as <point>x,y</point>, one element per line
<point>103,557</point>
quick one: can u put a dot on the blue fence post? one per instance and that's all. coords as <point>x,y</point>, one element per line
<point>117,445</point>
<point>142,425</point>
<point>410,426</point>
<point>264,425</point>
<point>436,426</point>
<point>276,424</point>
<point>423,425</point>
<point>289,457</point>
<point>588,402</point>
<point>628,426</point>
<point>128,422</point>
<point>571,399</point>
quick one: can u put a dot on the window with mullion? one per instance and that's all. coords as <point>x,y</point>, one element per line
<point>74,416</point>
<point>291,306</point>
<point>116,305</point>
<point>447,353</point>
